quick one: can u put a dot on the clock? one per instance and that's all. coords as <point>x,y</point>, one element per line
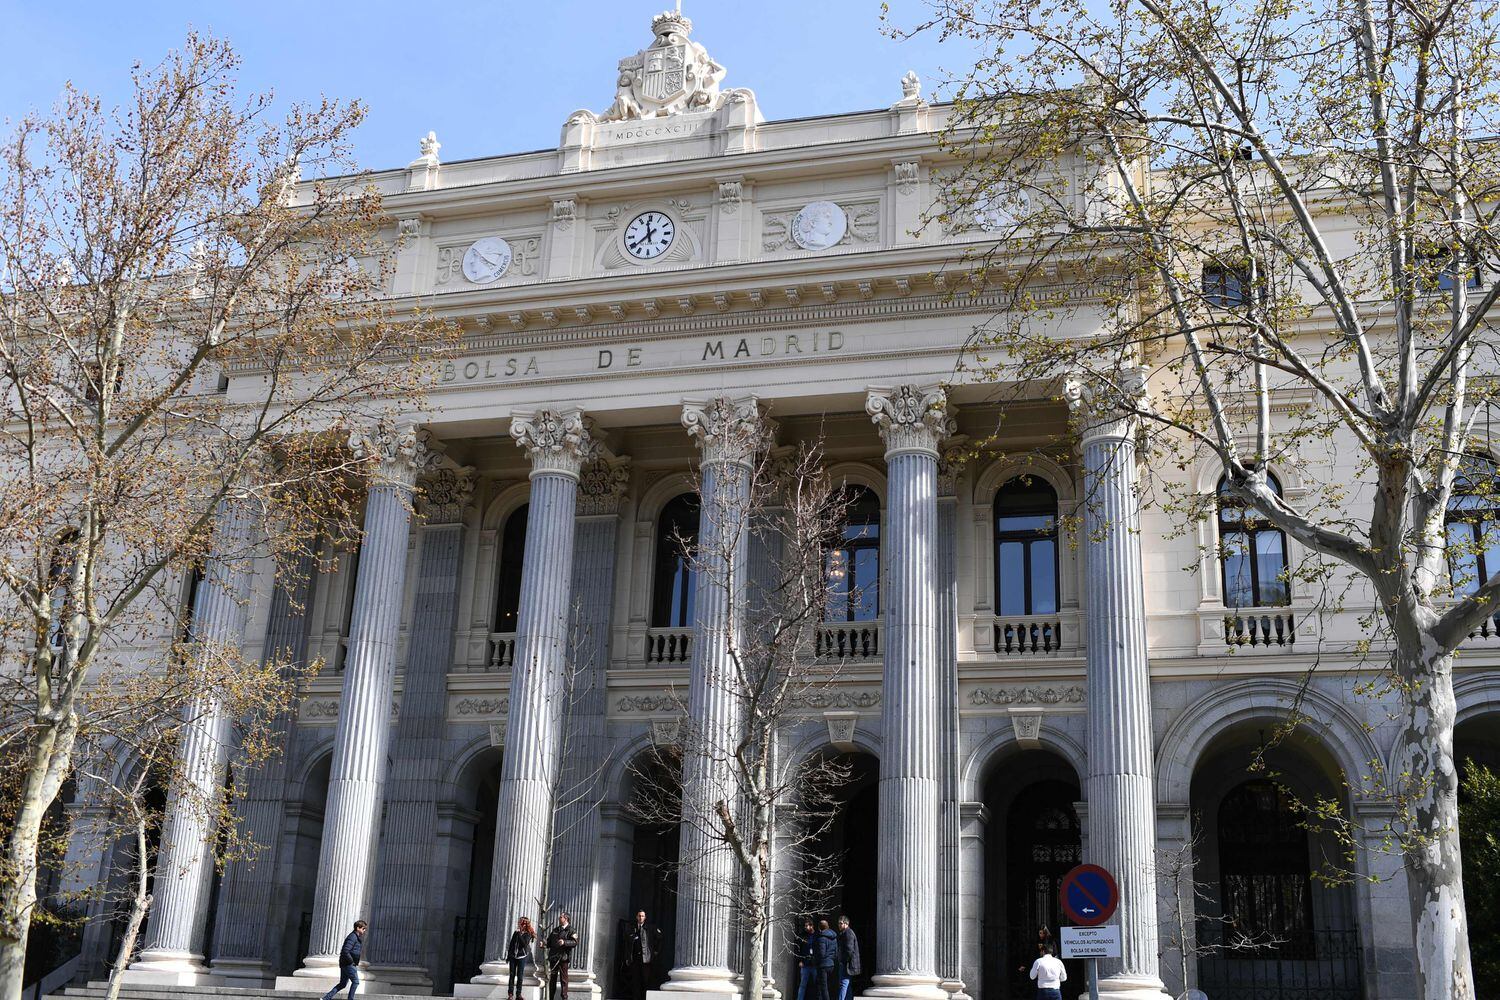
<point>486,260</point>
<point>819,225</point>
<point>649,235</point>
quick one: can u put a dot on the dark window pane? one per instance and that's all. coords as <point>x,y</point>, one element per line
<point>512,558</point>
<point>1012,576</point>
<point>1239,590</point>
<point>1270,556</point>
<point>675,583</point>
<point>866,592</point>
<point>1463,560</point>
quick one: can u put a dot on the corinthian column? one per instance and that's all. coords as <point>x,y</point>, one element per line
<point>173,952</point>
<point>913,421</point>
<point>559,445</point>
<point>356,780</point>
<point>1121,799</point>
<point>728,432</point>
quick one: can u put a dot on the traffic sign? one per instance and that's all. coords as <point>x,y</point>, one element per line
<point>1089,895</point>
<point>1091,942</point>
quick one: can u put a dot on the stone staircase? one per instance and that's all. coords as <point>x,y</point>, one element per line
<point>139,991</point>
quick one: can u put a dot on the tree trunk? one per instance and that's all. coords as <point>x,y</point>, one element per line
<point>755,965</point>
<point>138,907</point>
<point>51,754</point>
<point>1434,870</point>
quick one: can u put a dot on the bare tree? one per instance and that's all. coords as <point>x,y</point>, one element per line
<point>1273,231</point>
<point>774,810</point>
<point>184,329</point>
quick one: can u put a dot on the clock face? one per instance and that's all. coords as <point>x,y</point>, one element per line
<point>649,235</point>
<point>486,260</point>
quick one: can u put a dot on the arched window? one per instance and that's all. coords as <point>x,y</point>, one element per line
<point>853,564</point>
<point>1474,523</point>
<point>1026,547</point>
<point>1252,554</point>
<point>512,557</point>
<point>1264,876</point>
<point>675,581</point>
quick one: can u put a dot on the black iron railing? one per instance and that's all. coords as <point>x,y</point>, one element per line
<point>468,947</point>
<point>1304,965</point>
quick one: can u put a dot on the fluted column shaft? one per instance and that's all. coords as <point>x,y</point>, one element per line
<point>407,890</point>
<point>184,864</point>
<point>1121,797</point>
<point>361,744</point>
<point>950,881</point>
<point>728,431</point>
<point>912,421</point>
<point>559,444</point>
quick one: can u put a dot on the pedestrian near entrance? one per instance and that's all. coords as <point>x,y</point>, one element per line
<point>642,951</point>
<point>561,941</point>
<point>807,961</point>
<point>1049,973</point>
<point>826,946</point>
<point>517,954</point>
<point>848,965</point>
<point>353,948</point>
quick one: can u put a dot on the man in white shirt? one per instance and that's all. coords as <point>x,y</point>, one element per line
<point>1049,974</point>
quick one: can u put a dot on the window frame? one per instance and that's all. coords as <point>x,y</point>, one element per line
<point>502,564</point>
<point>1250,528</point>
<point>664,576</point>
<point>1473,519</point>
<point>1027,537</point>
<point>864,542</point>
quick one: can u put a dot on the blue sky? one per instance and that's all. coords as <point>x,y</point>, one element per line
<point>490,76</point>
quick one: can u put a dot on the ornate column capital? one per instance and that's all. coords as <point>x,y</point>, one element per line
<point>602,485</point>
<point>912,419</point>
<point>1100,408</point>
<point>400,451</point>
<point>727,430</point>
<point>447,493</point>
<point>559,443</point>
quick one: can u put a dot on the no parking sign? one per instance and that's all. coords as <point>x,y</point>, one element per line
<point>1088,895</point>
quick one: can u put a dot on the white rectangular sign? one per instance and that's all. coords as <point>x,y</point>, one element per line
<point>1091,942</point>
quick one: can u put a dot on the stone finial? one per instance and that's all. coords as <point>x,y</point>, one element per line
<point>429,156</point>
<point>911,418</point>
<point>446,494</point>
<point>911,86</point>
<point>400,451</point>
<point>727,430</point>
<point>558,442</point>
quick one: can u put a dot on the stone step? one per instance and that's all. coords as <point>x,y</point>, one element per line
<point>95,990</point>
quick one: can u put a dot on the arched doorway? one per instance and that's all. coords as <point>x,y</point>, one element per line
<point>843,867</point>
<point>471,854</point>
<point>1476,747</point>
<point>1032,840</point>
<point>1266,927</point>
<point>652,794</point>
<point>305,826</point>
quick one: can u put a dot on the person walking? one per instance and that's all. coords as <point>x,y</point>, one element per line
<point>642,952</point>
<point>826,947</point>
<point>807,960</point>
<point>848,963</point>
<point>353,948</point>
<point>517,954</point>
<point>561,941</point>
<point>1049,973</point>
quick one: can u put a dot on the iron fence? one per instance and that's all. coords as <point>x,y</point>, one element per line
<point>1305,965</point>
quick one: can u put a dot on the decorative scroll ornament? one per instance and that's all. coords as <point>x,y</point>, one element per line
<point>401,451</point>
<point>446,494</point>
<point>1104,407</point>
<point>558,443</point>
<point>671,76</point>
<point>727,430</point>
<point>911,418</point>
<point>601,487</point>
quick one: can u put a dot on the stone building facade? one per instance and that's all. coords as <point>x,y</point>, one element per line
<point>640,305</point>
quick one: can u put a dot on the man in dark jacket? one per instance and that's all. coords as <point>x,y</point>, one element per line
<point>826,947</point>
<point>561,941</point>
<point>353,948</point>
<point>642,952</point>
<point>848,957</point>
<point>807,961</point>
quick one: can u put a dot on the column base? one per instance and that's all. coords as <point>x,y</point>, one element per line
<point>496,991</point>
<point>1124,987</point>
<point>954,988</point>
<point>906,986</point>
<point>407,980</point>
<point>167,967</point>
<point>696,979</point>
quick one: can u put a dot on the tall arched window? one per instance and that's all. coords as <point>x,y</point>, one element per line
<point>675,580</point>
<point>1252,554</point>
<point>853,564</point>
<point>1264,876</point>
<point>1474,523</point>
<point>1026,547</point>
<point>512,557</point>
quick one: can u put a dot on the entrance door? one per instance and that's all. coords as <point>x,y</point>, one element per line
<point>1042,844</point>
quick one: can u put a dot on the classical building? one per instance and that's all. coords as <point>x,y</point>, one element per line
<point>679,282</point>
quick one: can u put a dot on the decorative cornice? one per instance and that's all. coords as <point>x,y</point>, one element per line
<point>602,485</point>
<point>400,452</point>
<point>912,419</point>
<point>559,443</point>
<point>447,493</point>
<point>1073,694</point>
<point>727,430</point>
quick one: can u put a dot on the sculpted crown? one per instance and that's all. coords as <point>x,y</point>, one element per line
<point>669,21</point>
<point>557,442</point>
<point>727,430</point>
<point>911,418</point>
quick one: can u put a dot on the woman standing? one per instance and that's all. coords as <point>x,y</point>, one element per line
<point>517,954</point>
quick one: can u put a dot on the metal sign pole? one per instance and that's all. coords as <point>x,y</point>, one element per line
<point>1093,979</point>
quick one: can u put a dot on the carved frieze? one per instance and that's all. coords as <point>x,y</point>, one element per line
<point>863,225</point>
<point>1071,694</point>
<point>474,707</point>
<point>526,255</point>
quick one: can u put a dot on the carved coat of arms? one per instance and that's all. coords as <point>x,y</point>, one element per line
<point>671,76</point>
